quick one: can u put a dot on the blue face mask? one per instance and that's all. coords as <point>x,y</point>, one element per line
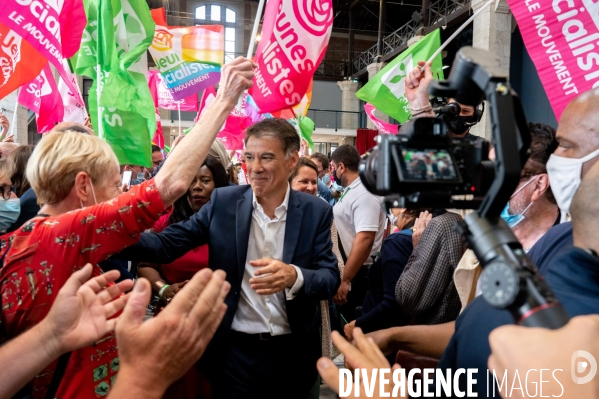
<point>513,220</point>
<point>326,179</point>
<point>9,212</point>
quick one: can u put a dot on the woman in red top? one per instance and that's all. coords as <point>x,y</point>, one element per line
<point>166,280</point>
<point>85,219</point>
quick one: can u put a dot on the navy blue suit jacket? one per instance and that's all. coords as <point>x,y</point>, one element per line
<point>224,224</point>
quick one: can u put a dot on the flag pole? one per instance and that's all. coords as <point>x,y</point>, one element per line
<point>98,94</point>
<point>460,29</point>
<point>14,118</point>
<point>179,111</point>
<point>253,41</point>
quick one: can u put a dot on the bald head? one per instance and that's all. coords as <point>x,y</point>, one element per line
<point>578,130</point>
<point>64,127</point>
<point>6,149</point>
<point>585,211</point>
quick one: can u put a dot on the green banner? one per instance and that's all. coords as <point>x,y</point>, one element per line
<point>386,90</point>
<point>115,41</point>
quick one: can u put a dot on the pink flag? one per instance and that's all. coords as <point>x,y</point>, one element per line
<point>159,134</point>
<point>233,131</point>
<point>165,98</point>
<point>53,27</point>
<point>74,108</point>
<point>295,36</point>
<point>42,97</point>
<point>561,39</point>
<point>382,127</point>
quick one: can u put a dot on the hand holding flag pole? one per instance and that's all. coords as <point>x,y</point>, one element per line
<point>252,43</point>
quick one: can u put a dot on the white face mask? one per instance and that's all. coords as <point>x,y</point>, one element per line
<point>565,175</point>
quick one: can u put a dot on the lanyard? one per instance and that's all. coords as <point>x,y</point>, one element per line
<point>343,195</point>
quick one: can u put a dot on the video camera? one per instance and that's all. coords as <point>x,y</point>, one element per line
<point>423,167</point>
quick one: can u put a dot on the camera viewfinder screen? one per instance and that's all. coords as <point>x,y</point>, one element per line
<point>428,165</point>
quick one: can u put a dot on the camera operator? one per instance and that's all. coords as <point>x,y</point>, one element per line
<point>571,273</point>
<point>459,121</point>
<point>531,212</point>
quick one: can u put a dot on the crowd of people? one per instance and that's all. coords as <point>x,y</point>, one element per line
<point>185,281</point>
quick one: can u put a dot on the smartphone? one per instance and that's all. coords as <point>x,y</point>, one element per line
<point>127,178</point>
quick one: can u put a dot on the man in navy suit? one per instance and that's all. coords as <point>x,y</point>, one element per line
<point>275,246</point>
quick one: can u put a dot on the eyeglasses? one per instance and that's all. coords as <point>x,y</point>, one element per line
<point>6,190</point>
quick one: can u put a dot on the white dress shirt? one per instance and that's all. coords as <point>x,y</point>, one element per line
<point>265,313</point>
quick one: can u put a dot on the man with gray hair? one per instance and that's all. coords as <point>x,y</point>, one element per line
<point>275,245</point>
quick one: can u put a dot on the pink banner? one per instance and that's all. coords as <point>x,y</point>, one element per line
<point>159,134</point>
<point>42,97</point>
<point>165,98</point>
<point>74,108</point>
<point>561,37</point>
<point>233,131</point>
<point>382,127</point>
<point>53,28</point>
<point>295,36</point>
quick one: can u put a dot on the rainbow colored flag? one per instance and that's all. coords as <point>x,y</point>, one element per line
<point>188,58</point>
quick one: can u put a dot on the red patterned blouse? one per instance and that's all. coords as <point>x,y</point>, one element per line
<point>44,253</point>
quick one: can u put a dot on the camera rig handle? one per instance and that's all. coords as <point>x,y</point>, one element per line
<point>510,279</point>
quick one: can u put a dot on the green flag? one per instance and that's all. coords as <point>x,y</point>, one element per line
<point>114,42</point>
<point>386,89</point>
<point>306,126</point>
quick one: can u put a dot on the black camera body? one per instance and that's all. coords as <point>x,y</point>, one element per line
<point>423,166</point>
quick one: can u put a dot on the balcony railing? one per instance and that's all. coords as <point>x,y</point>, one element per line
<point>439,10</point>
<point>329,119</point>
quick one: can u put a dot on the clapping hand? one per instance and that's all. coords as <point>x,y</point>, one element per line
<point>82,311</point>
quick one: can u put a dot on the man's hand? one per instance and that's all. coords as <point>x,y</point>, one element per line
<point>365,355</point>
<point>272,277</point>
<point>384,340</point>
<point>348,330</point>
<point>341,297</point>
<point>80,314</point>
<point>419,225</point>
<point>235,77</point>
<point>177,337</point>
<point>417,83</point>
<point>172,290</point>
<point>517,348</point>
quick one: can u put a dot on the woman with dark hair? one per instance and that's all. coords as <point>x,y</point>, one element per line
<point>19,158</point>
<point>167,279</point>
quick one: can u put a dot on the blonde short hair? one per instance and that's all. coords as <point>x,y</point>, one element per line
<point>58,158</point>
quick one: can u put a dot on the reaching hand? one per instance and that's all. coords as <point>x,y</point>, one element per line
<point>348,330</point>
<point>419,225</point>
<point>416,85</point>
<point>170,291</point>
<point>176,142</point>
<point>516,348</point>
<point>365,355</point>
<point>177,337</point>
<point>5,124</point>
<point>9,139</point>
<point>80,314</point>
<point>272,277</point>
<point>341,297</point>
<point>235,77</point>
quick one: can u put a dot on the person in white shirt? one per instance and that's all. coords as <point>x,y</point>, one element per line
<point>275,245</point>
<point>359,217</point>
